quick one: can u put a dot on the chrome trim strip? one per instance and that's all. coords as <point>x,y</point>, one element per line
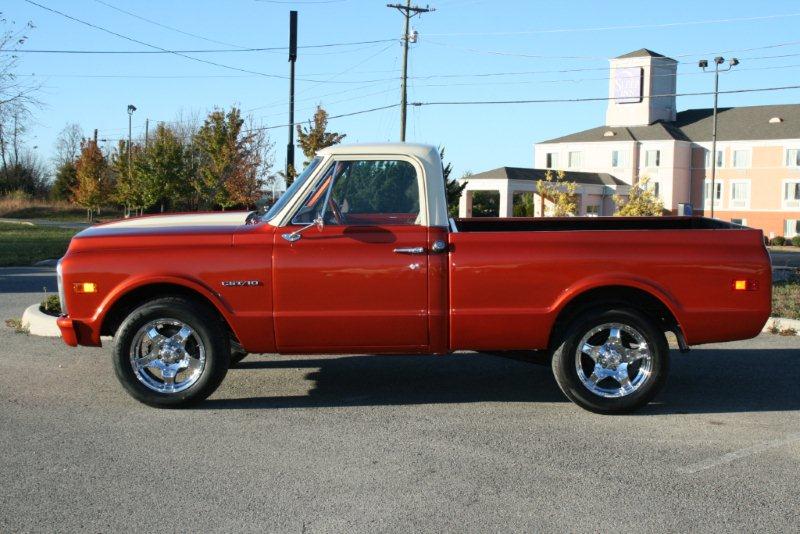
<point>60,281</point>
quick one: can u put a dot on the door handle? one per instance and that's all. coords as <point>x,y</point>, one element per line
<point>410,250</point>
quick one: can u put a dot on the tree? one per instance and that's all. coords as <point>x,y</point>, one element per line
<point>233,162</point>
<point>66,181</point>
<point>26,175</point>
<point>246,185</point>
<point>452,188</point>
<point>160,170</point>
<point>92,176</point>
<point>315,137</point>
<point>640,202</point>
<point>559,192</point>
<point>17,97</point>
<point>129,189</point>
<point>525,207</point>
<point>68,144</point>
<point>217,141</point>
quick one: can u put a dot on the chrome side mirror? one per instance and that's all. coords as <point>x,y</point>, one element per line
<point>291,237</point>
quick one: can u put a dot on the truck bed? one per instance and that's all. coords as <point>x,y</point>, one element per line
<point>554,224</point>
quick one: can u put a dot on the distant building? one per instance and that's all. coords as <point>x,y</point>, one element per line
<point>758,148</point>
<point>510,184</point>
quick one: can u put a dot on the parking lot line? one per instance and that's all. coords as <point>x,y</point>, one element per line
<point>708,463</point>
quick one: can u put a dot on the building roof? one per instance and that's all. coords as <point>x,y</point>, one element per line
<point>522,173</point>
<point>642,52</point>
<point>743,123</point>
<point>746,123</point>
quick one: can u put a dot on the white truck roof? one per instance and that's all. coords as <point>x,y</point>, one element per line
<point>434,202</point>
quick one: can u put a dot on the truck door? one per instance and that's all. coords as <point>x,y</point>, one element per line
<point>360,282</point>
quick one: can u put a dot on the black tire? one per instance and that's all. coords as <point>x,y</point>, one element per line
<point>205,323</point>
<point>565,367</point>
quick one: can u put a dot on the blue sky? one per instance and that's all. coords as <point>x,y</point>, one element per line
<point>463,45</point>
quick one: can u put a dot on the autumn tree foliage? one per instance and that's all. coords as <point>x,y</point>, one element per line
<point>234,161</point>
<point>315,137</point>
<point>92,177</point>
<point>640,202</point>
<point>558,195</point>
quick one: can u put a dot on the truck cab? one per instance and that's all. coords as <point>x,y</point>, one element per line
<point>360,252</point>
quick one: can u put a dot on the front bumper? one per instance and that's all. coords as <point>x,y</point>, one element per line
<point>68,333</point>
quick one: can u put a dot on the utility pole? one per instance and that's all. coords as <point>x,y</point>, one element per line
<point>703,64</point>
<point>408,11</point>
<point>292,60</point>
<point>146,132</point>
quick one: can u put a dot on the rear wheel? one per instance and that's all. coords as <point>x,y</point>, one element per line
<point>612,361</point>
<point>171,352</point>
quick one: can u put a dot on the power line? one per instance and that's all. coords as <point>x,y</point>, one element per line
<point>195,51</point>
<point>156,23</point>
<point>527,101</point>
<point>615,28</point>
<point>137,41</point>
<point>594,99</point>
<point>372,82</point>
<point>301,1</point>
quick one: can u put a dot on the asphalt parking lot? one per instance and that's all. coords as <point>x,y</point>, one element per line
<point>375,443</point>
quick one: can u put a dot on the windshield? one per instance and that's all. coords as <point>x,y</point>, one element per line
<point>287,196</point>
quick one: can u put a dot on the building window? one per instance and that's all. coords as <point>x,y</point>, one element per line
<point>574,160</point>
<point>655,187</point>
<point>619,158</point>
<point>551,160</point>
<point>740,194</point>
<point>793,157</point>
<point>791,227</point>
<point>717,193</point>
<point>791,194</point>
<point>652,158</point>
<point>740,222</point>
<point>720,158</point>
<point>592,211</point>
<point>741,159</point>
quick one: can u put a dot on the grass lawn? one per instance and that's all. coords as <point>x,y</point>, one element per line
<point>23,245</point>
<point>786,300</point>
<point>59,214</point>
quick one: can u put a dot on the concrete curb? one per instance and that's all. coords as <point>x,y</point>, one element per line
<point>38,323</point>
<point>782,324</point>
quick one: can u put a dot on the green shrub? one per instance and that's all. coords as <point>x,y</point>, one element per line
<point>778,241</point>
<point>796,241</point>
<point>51,305</point>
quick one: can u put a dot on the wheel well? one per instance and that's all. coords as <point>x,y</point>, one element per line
<point>131,300</point>
<point>623,296</point>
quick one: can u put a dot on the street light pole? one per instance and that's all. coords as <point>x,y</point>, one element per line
<point>131,109</point>
<point>703,64</point>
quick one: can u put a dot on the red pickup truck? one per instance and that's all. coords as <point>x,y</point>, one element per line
<point>359,256</point>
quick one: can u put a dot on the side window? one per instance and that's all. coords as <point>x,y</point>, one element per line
<point>365,193</point>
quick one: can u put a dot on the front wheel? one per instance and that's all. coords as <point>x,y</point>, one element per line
<point>612,361</point>
<point>171,352</point>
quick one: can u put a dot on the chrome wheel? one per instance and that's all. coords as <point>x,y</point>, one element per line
<point>613,360</point>
<point>167,355</point>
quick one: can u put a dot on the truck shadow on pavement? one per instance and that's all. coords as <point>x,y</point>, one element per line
<point>703,381</point>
